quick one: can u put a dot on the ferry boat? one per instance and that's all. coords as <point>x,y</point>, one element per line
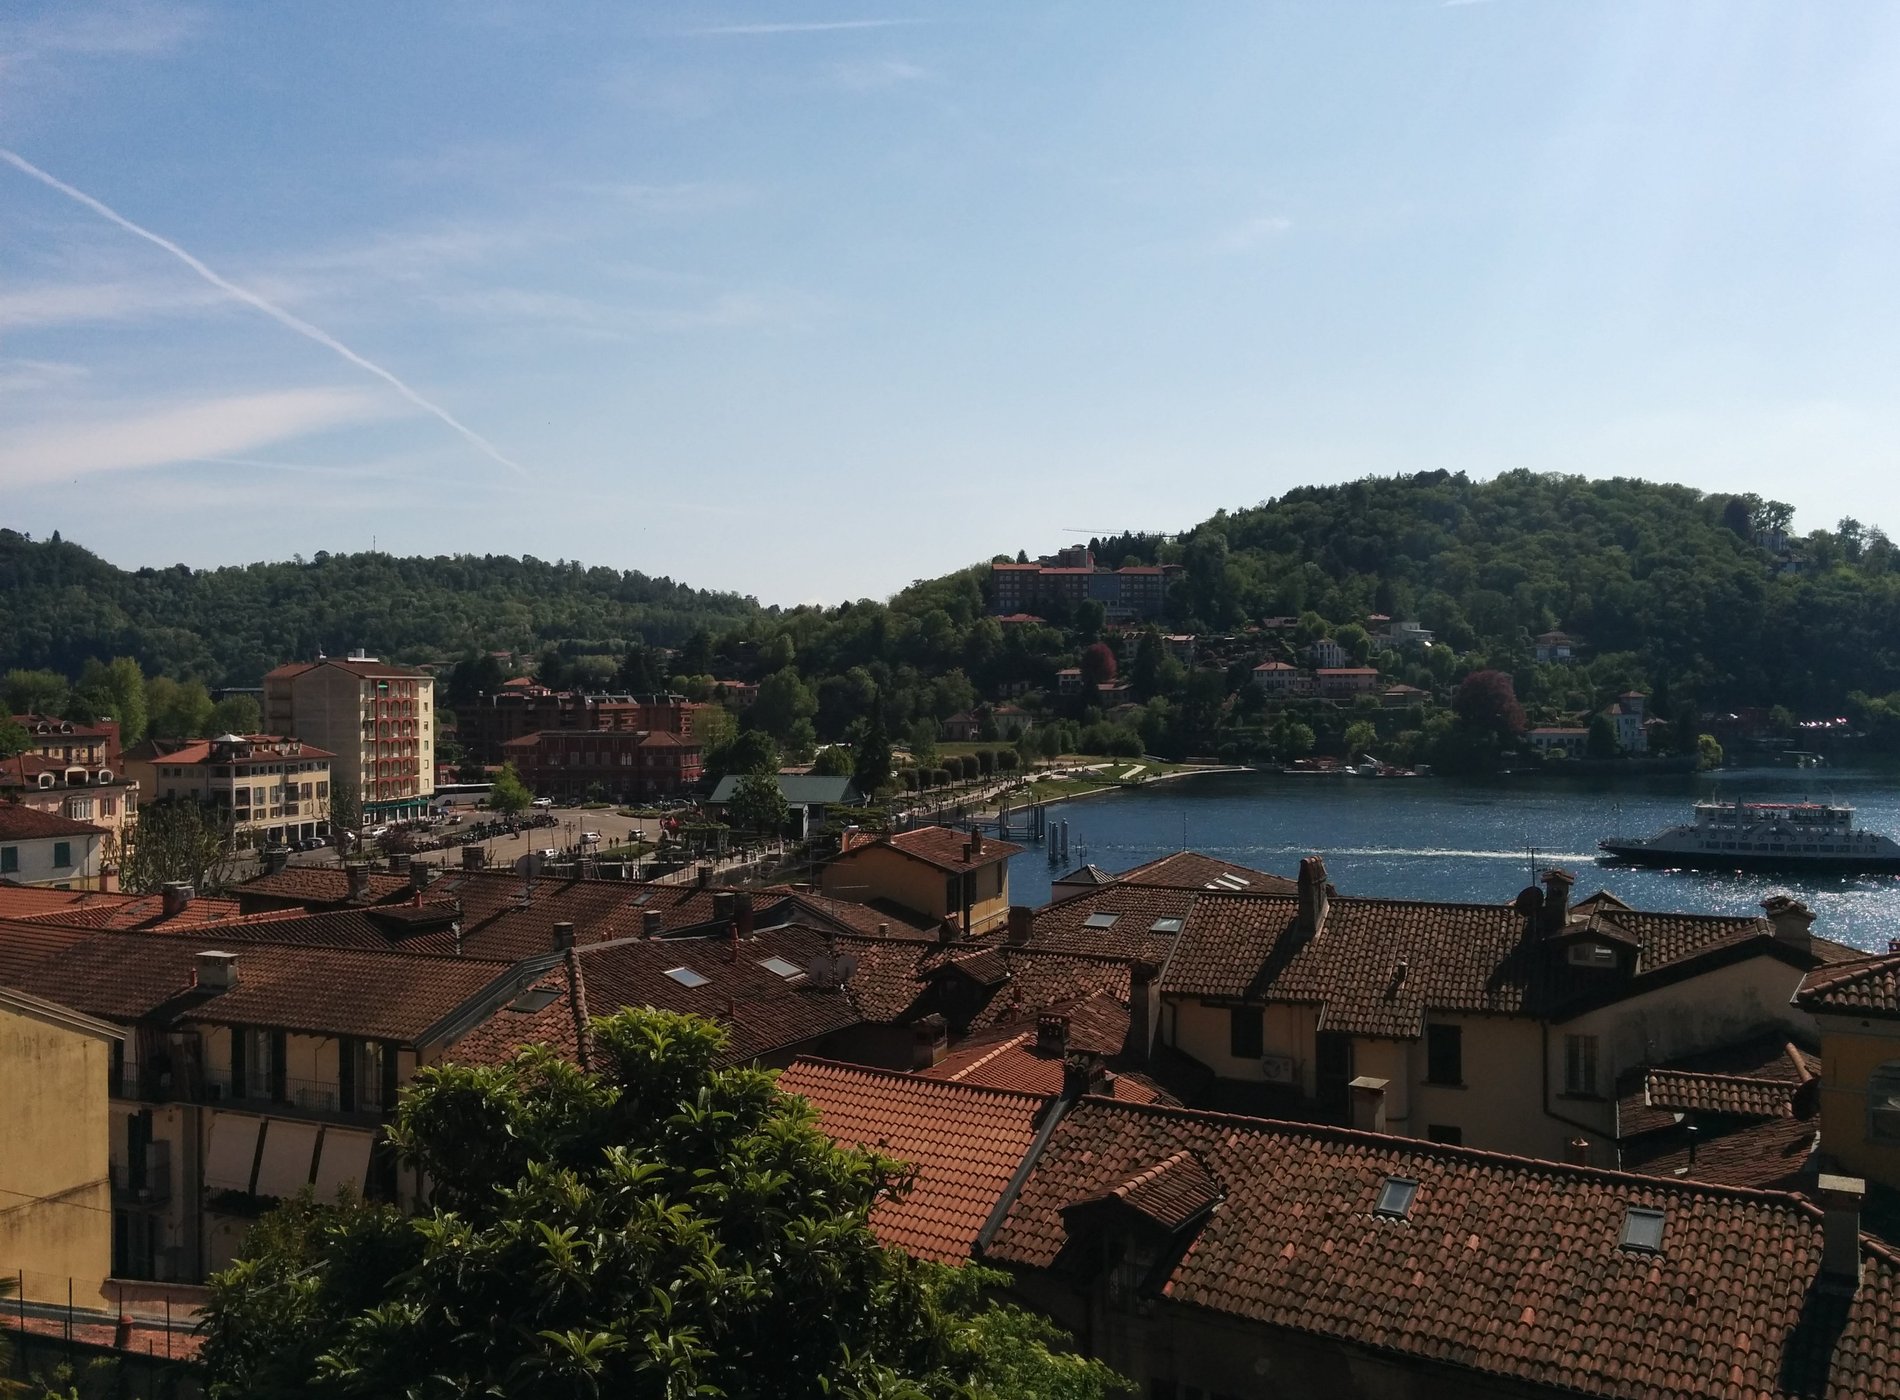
<point>1778,836</point>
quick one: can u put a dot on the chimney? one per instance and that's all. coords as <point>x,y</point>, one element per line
<point>219,970</point>
<point>177,895</point>
<point>1577,1152</point>
<point>358,874</point>
<point>399,863</point>
<point>722,906</point>
<point>969,852</point>
<point>563,935</point>
<point>976,841</point>
<point>652,923</point>
<point>946,930</point>
<point>473,857</point>
<point>1791,920</point>
<point>276,859</point>
<point>1840,1231</point>
<point>421,876</point>
<point>742,913</point>
<point>1052,1034</point>
<point>1313,896</point>
<point>883,929</point>
<point>1557,885</point>
<point>929,1041</point>
<point>1368,1103</point>
<point>703,876</point>
<point>1022,922</point>
<point>1144,1009</point>
<point>1083,1074</point>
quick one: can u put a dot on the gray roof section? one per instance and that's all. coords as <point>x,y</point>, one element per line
<point>800,789</point>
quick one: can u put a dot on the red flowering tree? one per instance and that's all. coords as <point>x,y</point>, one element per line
<point>1487,701</point>
<point>1098,664</point>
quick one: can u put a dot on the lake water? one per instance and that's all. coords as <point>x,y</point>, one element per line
<point>1438,839</point>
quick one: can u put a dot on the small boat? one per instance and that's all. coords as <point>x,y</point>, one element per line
<point>1772,836</point>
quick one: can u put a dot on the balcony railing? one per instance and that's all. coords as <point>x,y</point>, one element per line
<point>153,1186</point>
<point>308,1095</point>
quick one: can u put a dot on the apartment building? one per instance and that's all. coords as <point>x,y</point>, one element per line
<point>1071,577</point>
<point>45,848</point>
<point>74,770</point>
<point>486,725</point>
<point>376,720</point>
<point>626,765</point>
<point>271,790</point>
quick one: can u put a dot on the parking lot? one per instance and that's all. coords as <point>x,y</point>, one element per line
<point>561,830</point>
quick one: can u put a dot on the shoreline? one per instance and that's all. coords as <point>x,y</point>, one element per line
<point>990,811</point>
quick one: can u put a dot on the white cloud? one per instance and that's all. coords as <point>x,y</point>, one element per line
<point>78,445</point>
<point>1245,237</point>
<point>32,376</point>
<point>129,28</point>
<point>86,303</point>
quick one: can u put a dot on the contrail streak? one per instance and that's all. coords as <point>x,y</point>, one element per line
<point>276,313</point>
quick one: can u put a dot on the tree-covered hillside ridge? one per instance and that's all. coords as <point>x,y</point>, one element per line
<point>1704,596</point>
<point>227,626</point>
<point>1709,594</point>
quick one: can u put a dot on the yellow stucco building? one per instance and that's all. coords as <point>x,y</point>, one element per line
<point>1857,1007</point>
<point>932,872</point>
<point>55,1165</point>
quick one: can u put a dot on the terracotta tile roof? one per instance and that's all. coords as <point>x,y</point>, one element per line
<point>1866,987</point>
<point>313,885</point>
<point>552,1011</point>
<point>1190,870</point>
<point>766,1012</point>
<point>942,847</point>
<point>1378,965</point>
<point>24,944</point>
<point>1086,875</point>
<point>808,906</point>
<point>324,991</point>
<point>1145,923</point>
<point>964,1143</point>
<point>1172,1195</point>
<point>19,822</point>
<point>1009,1059</point>
<point>1684,1092</point>
<point>139,912</point>
<point>32,901</point>
<point>1508,1267</point>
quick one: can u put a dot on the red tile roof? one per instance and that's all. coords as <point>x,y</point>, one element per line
<point>765,1012</point>
<point>323,991</point>
<point>963,1142</point>
<point>22,823</point>
<point>1378,965</point>
<point>131,912</point>
<point>1868,987</point>
<point>25,944</point>
<point>1190,870</point>
<point>1171,1195</point>
<point>1509,1267</point>
<point>942,847</point>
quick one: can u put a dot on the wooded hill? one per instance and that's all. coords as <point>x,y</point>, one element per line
<point>227,626</point>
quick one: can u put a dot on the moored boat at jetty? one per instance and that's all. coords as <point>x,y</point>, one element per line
<point>1772,836</point>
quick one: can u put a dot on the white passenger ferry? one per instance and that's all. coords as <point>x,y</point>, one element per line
<point>1784,836</point>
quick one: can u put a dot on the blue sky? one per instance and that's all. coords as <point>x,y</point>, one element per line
<point>809,301</point>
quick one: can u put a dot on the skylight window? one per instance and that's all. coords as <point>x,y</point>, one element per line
<point>783,967</point>
<point>1643,1230</point>
<point>642,898</point>
<point>1395,1197</point>
<point>1165,926</point>
<point>686,977</point>
<point>1100,920</point>
<point>533,999</point>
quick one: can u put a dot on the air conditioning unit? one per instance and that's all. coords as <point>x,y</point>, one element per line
<point>1279,1069</point>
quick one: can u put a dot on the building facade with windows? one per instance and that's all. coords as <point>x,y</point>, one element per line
<point>269,790</point>
<point>626,765</point>
<point>377,720</point>
<point>74,770</point>
<point>47,848</point>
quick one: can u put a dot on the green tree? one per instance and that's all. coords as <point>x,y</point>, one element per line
<point>784,704</point>
<point>13,738</point>
<point>657,1227</point>
<point>178,709</point>
<point>1360,736</point>
<point>1292,739</point>
<point>833,761</point>
<point>346,808</point>
<point>1708,753</point>
<point>871,761</point>
<point>758,804</point>
<point>921,740</point>
<point>177,841</point>
<point>32,692</point>
<point>238,714</point>
<point>509,795</point>
<point>1601,741</point>
<point>749,752</point>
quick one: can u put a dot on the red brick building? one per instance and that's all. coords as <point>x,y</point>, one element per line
<point>486,726</point>
<point>624,764</point>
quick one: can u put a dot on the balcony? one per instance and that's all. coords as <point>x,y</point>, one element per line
<point>314,1096</point>
<point>149,1187</point>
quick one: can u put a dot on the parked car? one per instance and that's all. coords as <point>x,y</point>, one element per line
<point>544,801</point>
<point>547,853</point>
<point>589,838</point>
